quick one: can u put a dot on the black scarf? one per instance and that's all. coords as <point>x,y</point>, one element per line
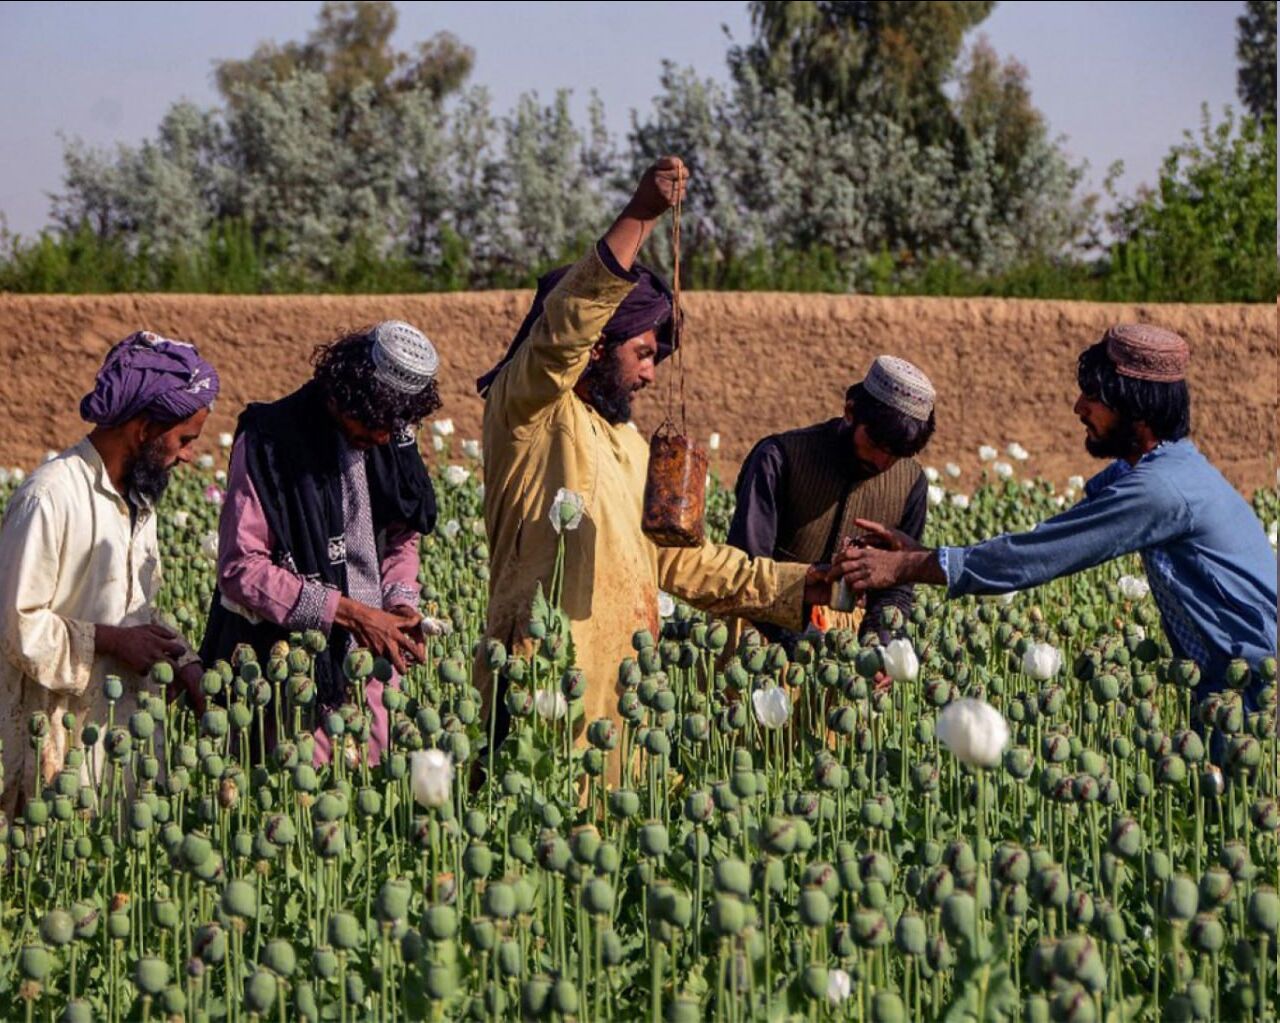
<point>291,449</point>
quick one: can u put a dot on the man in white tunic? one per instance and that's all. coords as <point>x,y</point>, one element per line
<point>81,561</point>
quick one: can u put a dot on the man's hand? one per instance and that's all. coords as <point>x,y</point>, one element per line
<point>870,568</point>
<point>388,635</point>
<point>817,585</point>
<point>138,647</point>
<point>887,538</point>
<point>188,681</point>
<point>657,192</point>
<point>409,614</point>
<point>661,184</point>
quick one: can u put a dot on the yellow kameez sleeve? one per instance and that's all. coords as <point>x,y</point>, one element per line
<point>547,366</point>
<point>723,580</point>
<point>56,652</point>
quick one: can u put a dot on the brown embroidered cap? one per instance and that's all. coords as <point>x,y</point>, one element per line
<point>1147,352</point>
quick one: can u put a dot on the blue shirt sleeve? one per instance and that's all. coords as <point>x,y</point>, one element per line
<point>1130,512</point>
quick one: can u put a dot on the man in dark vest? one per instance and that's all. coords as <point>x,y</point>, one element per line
<point>326,498</point>
<point>800,492</point>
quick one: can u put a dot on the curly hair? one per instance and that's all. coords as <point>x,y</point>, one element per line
<point>889,429</point>
<point>1164,407</point>
<point>345,373</point>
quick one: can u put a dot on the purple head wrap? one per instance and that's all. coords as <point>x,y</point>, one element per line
<point>147,373</point>
<point>646,307</point>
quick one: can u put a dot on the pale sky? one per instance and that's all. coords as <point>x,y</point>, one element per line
<point>1118,80</point>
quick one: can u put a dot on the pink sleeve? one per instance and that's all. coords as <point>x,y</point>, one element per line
<point>400,568</point>
<point>246,574</point>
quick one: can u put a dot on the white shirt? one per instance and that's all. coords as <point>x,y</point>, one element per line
<point>70,559</point>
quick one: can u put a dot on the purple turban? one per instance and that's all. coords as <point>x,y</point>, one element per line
<point>646,307</point>
<point>146,373</point>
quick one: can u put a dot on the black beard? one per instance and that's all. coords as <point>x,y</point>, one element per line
<point>606,391</point>
<point>148,476</point>
<point>1121,441</point>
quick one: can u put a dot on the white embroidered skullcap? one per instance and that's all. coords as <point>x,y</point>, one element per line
<point>403,358</point>
<point>900,385</point>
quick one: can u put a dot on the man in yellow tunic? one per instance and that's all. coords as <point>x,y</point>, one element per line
<point>557,416</point>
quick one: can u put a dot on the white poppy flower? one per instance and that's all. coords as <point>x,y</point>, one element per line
<point>550,704</point>
<point>179,519</point>
<point>431,777</point>
<point>456,475</point>
<point>713,442</point>
<point>772,706</point>
<point>18,475</point>
<point>1003,469</point>
<point>477,527</point>
<point>936,495</point>
<point>952,470</point>
<point>566,510</point>
<point>1017,452</point>
<point>471,448</point>
<point>213,495</point>
<point>974,731</point>
<point>1060,501</point>
<point>900,661</point>
<point>1075,482</point>
<point>204,462</point>
<point>1042,661</point>
<point>220,477</point>
<point>225,440</point>
<point>437,442</point>
<point>839,986</point>
<point>5,476</point>
<point>960,501</point>
<point>209,545</point>
<point>451,529</point>
<point>986,453</point>
<point>666,604</point>
<point>931,474</point>
<point>442,427</point>
<point>1133,587</point>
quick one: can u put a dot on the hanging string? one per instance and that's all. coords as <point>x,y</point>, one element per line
<point>676,320</point>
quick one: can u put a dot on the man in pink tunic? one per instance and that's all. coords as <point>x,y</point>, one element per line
<point>326,498</point>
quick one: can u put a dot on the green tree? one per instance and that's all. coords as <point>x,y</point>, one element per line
<point>1207,231</point>
<point>1256,50</point>
<point>869,56</point>
<point>351,47</point>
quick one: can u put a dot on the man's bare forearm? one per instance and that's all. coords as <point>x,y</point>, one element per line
<point>627,235</point>
<point>922,567</point>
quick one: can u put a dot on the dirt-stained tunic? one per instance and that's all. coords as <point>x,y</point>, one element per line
<point>538,437</point>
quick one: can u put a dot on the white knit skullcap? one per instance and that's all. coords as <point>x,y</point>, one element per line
<point>900,385</point>
<point>403,358</point>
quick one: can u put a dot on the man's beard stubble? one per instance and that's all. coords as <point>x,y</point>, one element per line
<point>148,476</point>
<point>606,391</point>
<point>1121,441</point>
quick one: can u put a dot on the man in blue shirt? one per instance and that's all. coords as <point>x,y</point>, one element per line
<point>1210,567</point>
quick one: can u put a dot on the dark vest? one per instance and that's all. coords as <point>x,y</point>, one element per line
<point>823,497</point>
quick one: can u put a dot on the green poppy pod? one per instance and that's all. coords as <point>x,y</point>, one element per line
<point>151,975</point>
<point>260,992</point>
<point>113,687</point>
<point>814,980</point>
<point>357,665</point>
<point>240,899</point>
<point>887,1007</point>
<point>814,907</point>
<point>728,915</point>
<point>324,960</point>
<point>1126,838</point>
<point>870,928</point>
<point>440,923</point>
<point>653,838</point>
<point>344,931</point>
<point>166,914</point>
<point>1244,754</point>
<point>624,803</point>
<point>57,927</point>
<point>35,962</point>
<point>1207,934</point>
<point>1264,910</point>
<point>1181,898</point>
<point>1080,908</point>
<point>209,943</point>
<point>910,934</point>
<point>1049,886</point>
<point>240,715</point>
<point>77,1011</point>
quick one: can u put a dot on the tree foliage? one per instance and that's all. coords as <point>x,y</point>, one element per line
<point>1256,51</point>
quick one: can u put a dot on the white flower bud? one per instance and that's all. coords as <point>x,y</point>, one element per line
<point>772,706</point>
<point>974,731</point>
<point>431,777</point>
<point>1042,661</point>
